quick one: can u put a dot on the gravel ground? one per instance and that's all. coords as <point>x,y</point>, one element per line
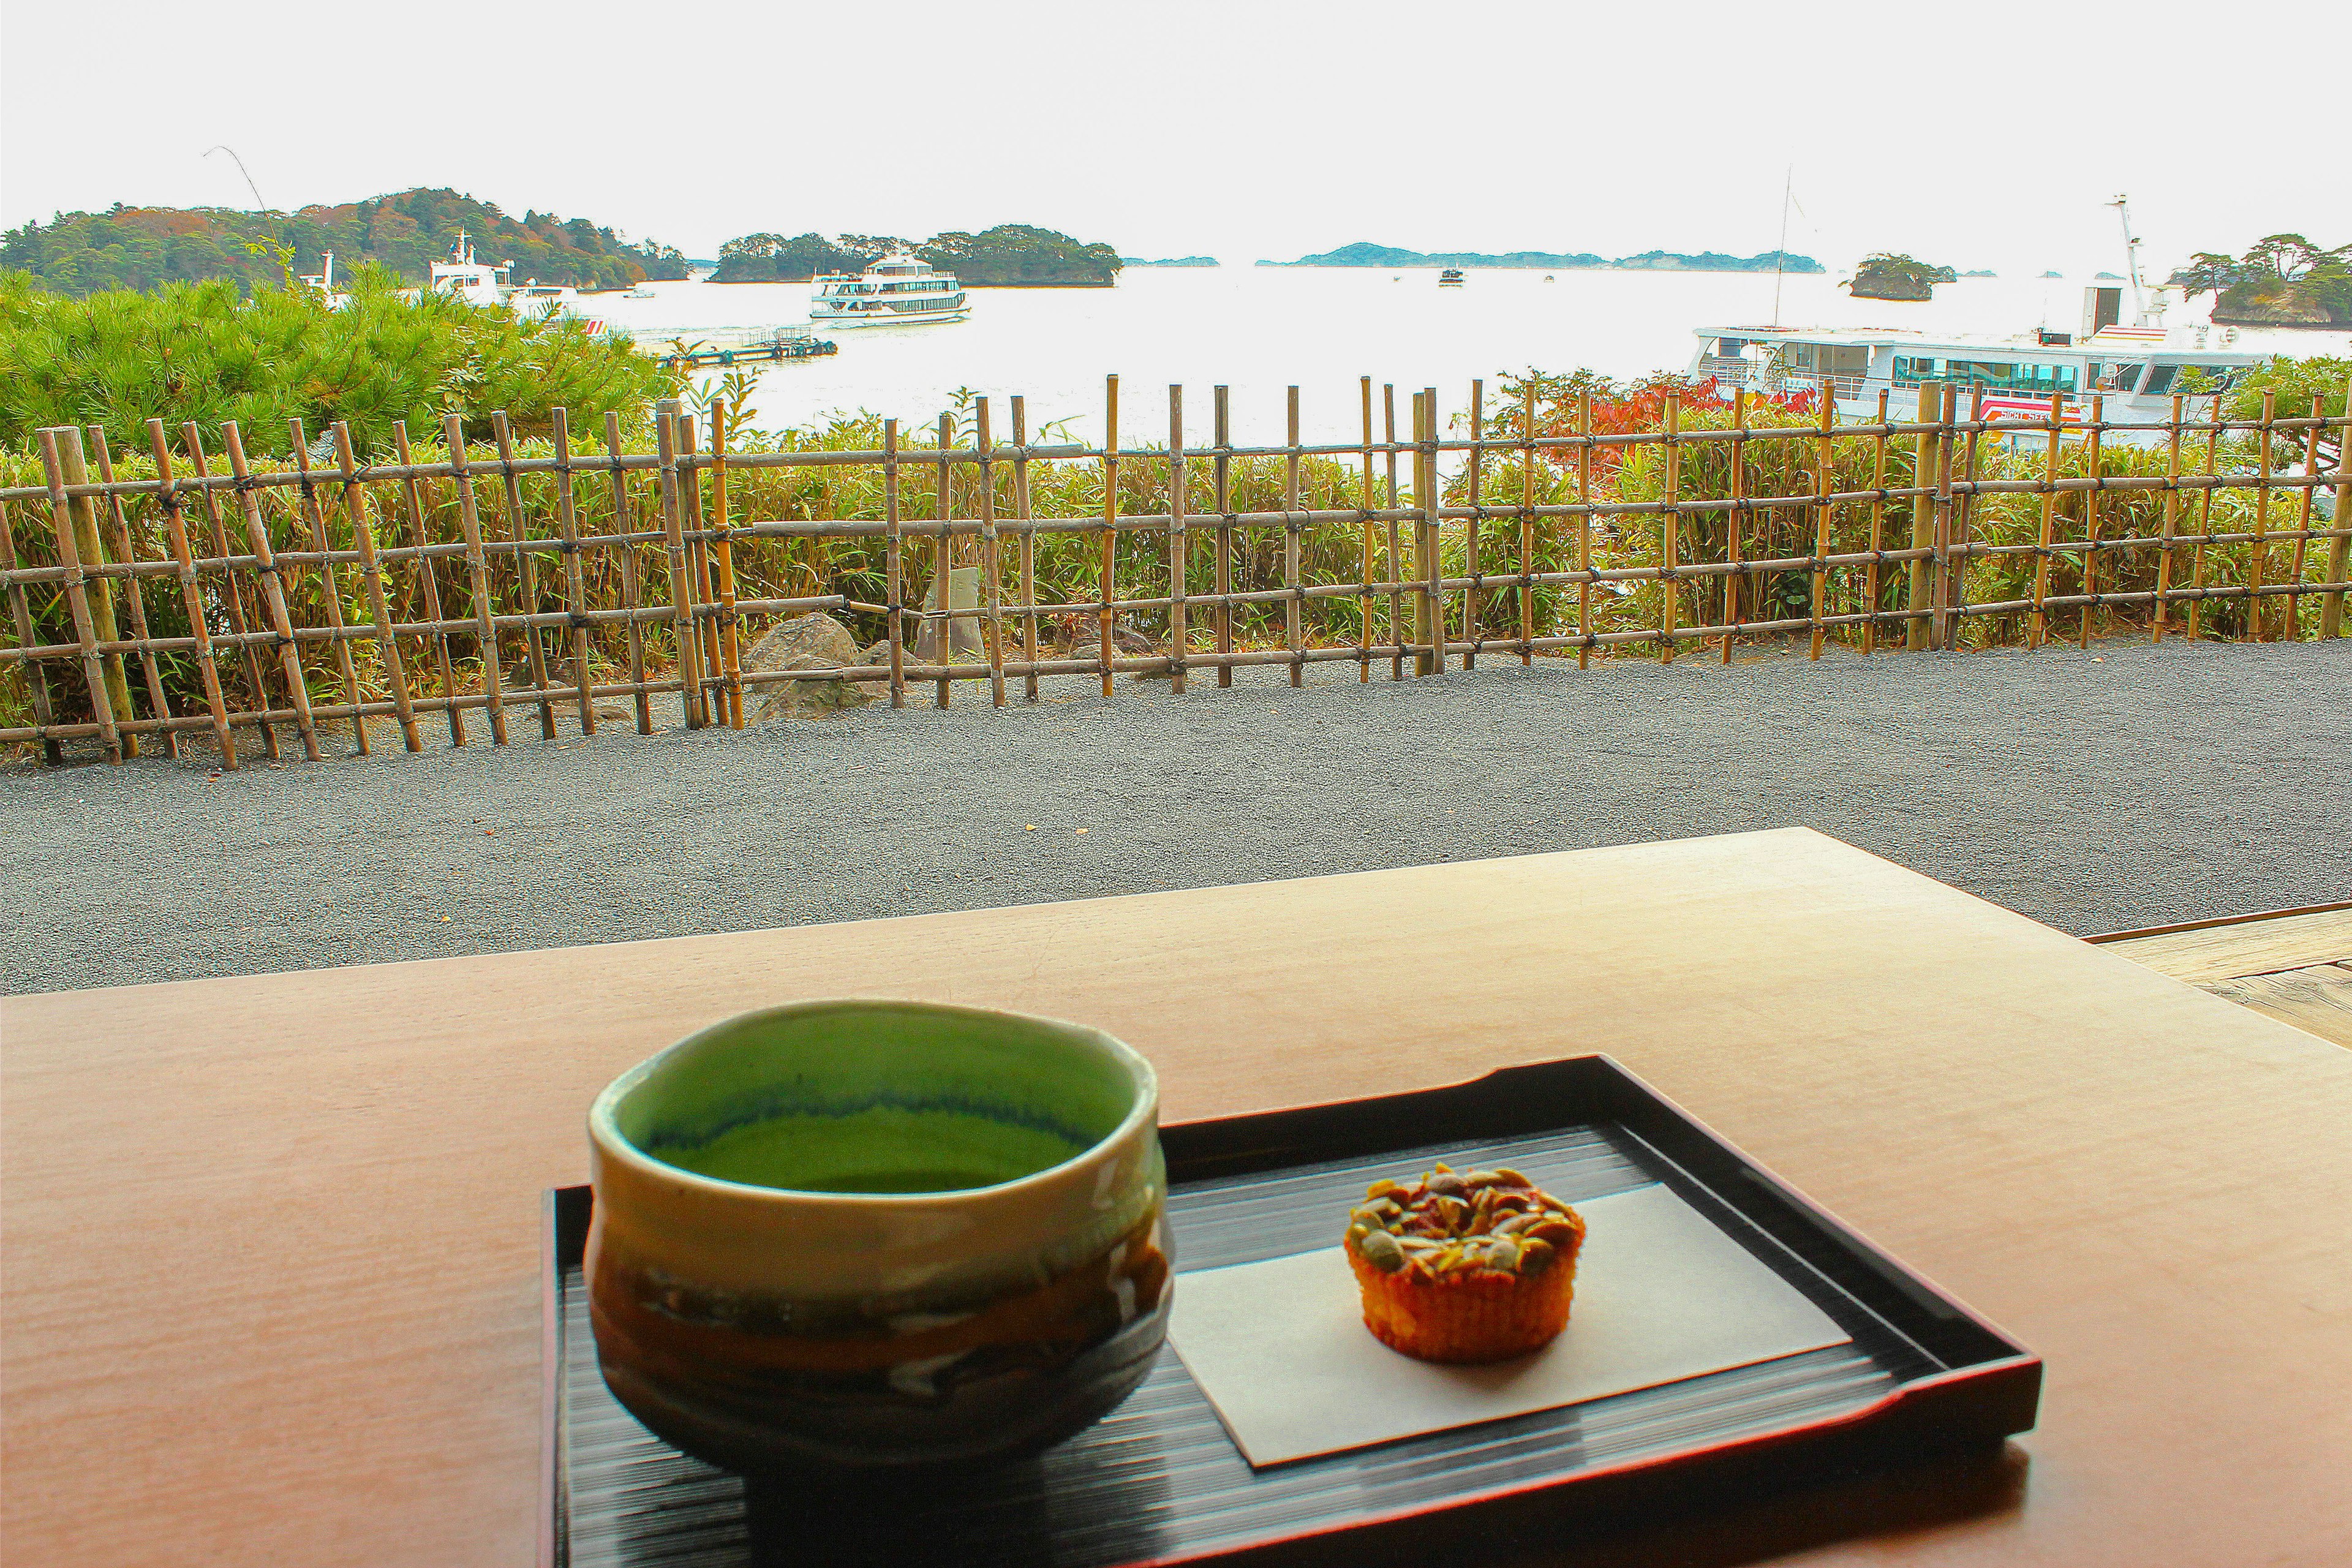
<point>2127,787</point>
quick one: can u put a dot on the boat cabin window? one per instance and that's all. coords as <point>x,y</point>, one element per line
<point>2001,375</point>
<point>2188,380</point>
<point>1828,359</point>
<point>2121,377</point>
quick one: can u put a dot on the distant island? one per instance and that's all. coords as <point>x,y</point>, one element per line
<point>1010,256</point>
<point>407,231</point>
<point>1362,254</point>
<point>1981,273</point>
<point>1169,261</point>
<point>1886,276</point>
<point>2283,280</point>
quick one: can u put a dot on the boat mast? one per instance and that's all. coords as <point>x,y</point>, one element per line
<point>2131,259</point>
<point>1781,256</point>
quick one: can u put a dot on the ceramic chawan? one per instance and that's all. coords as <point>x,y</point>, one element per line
<point>867,1234</point>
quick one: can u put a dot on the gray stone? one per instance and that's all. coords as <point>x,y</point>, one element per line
<point>813,641</point>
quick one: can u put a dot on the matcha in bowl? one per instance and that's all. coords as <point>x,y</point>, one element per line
<point>872,1234</point>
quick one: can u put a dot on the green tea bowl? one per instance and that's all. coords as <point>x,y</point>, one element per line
<point>869,1235</point>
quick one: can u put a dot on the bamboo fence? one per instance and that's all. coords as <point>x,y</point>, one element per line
<point>551,618</point>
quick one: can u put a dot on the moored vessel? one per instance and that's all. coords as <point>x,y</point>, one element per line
<point>2135,370</point>
<point>466,277</point>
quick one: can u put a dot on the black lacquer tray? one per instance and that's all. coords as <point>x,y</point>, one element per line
<point>1159,1483</point>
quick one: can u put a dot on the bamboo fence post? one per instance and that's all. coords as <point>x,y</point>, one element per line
<point>2339,549</point>
<point>1823,458</point>
<point>2171,519</point>
<point>315,515</point>
<point>526,572</point>
<point>478,568</point>
<point>2205,518</point>
<point>991,569</point>
<point>2257,568</point>
<point>1364,596</point>
<point>429,576</point>
<point>1944,630</point>
<point>575,588</point>
<point>943,559</point>
<point>1426,607</point>
<point>697,560</point>
<point>97,589</point>
<point>1584,532</point>
<point>2301,553</point>
<point>1670,531</point>
<point>2091,510</point>
<point>1223,476</point>
<point>1964,512</point>
<point>894,561</point>
<point>1294,552</point>
<point>723,526</point>
<point>127,549</point>
<point>272,587</point>
<point>1916,629</point>
<point>631,588</point>
<point>1528,525</point>
<point>681,593</point>
<point>1736,515</point>
<point>1433,520</point>
<point>2038,631</point>
<point>388,647</point>
<point>66,524</point>
<point>1395,539</point>
<point>1028,547</point>
<point>1179,543</point>
<point>1472,633</point>
<point>233,591</point>
<point>1106,581</point>
<point>1877,525</point>
<point>37,675</point>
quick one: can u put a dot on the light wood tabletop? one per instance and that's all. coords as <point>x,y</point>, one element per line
<point>271,1280</point>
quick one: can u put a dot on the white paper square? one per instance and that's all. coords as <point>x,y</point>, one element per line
<point>1281,1350</point>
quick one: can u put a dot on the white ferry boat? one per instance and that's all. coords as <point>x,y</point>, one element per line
<point>1450,278</point>
<point>479,282</point>
<point>2135,369</point>
<point>896,291</point>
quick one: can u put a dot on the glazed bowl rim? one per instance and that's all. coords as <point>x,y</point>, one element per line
<point>609,1139</point>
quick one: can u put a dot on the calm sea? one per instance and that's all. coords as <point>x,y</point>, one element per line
<point>1259,330</point>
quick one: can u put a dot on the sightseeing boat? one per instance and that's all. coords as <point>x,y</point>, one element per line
<point>899,290</point>
<point>2135,370</point>
<point>1450,278</point>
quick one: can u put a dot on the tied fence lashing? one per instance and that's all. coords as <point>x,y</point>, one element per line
<point>179,589</point>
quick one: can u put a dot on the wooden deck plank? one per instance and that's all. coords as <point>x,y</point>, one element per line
<point>2256,947</point>
<point>2317,999</point>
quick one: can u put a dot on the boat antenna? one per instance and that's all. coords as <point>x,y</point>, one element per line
<point>2122,204</point>
<point>1781,256</point>
<point>242,170</point>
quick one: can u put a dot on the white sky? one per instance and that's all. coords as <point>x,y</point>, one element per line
<point>1237,129</point>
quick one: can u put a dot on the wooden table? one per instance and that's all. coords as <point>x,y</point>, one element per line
<point>271,1273</point>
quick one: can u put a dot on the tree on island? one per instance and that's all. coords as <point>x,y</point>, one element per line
<point>773,258</point>
<point>1885,275</point>
<point>1010,253</point>
<point>2283,280</point>
<point>406,232</point>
